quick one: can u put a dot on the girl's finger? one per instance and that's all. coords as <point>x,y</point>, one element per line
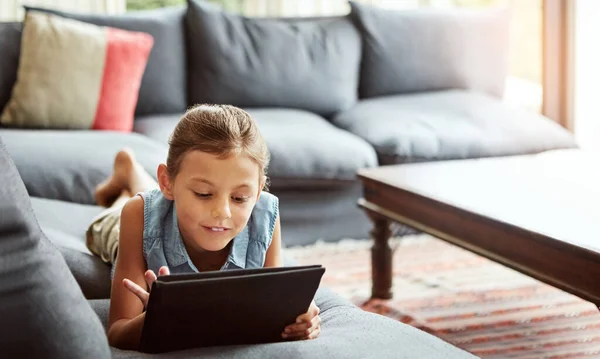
<point>314,334</point>
<point>313,311</point>
<point>294,335</point>
<point>302,334</point>
<point>297,329</point>
<point>308,316</point>
<point>164,270</point>
<point>303,318</point>
<point>316,322</point>
<point>150,278</point>
<point>137,290</point>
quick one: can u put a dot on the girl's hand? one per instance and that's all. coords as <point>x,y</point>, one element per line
<point>307,326</point>
<point>150,278</point>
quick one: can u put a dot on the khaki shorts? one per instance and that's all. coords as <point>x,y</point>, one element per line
<point>102,237</point>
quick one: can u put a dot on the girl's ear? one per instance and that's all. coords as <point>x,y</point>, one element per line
<point>261,187</point>
<point>164,181</point>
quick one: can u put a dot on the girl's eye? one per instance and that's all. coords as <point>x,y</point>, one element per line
<point>202,195</point>
<point>240,199</point>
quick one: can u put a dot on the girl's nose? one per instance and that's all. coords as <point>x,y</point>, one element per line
<point>221,210</point>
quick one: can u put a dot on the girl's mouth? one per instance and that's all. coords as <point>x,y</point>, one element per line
<point>216,229</point>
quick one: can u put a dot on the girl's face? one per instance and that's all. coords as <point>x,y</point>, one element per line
<point>213,198</point>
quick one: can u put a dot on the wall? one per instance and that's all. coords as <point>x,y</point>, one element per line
<point>586,71</point>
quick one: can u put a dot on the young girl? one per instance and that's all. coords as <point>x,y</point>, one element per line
<point>207,212</point>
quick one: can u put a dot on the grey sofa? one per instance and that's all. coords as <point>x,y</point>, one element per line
<point>45,314</point>
<point>331,95</point>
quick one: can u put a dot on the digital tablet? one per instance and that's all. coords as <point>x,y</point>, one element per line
<point>241,306</point>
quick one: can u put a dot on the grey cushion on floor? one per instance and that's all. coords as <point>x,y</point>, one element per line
<point>10,47</point>
<point>309,63</point>
<point>449,125</point>
<point>65,225</point>
<point>44,314</point>
<point>67,165</point>
<point>164,84</point>
<point>425,50</point>
<point>347,332</point>
<point>302,144</point>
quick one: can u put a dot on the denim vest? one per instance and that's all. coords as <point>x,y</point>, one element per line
<point>163,245</point>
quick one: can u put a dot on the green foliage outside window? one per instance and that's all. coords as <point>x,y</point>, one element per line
<point>134,5</point>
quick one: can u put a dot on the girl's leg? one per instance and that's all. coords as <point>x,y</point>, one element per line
<point>102,236</point>
<point>122,199</point>
<point>128,175</point>
<point>128,178</point>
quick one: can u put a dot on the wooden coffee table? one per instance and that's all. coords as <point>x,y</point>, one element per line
<point>538,214</point>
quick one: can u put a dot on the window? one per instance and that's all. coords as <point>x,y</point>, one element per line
<point>586,73</point>
<point>133,5</point>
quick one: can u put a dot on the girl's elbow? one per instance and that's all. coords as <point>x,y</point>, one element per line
<point>116,338</point>
<point>113,336</point>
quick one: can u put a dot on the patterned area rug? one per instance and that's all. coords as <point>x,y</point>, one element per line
<point>467,300</point>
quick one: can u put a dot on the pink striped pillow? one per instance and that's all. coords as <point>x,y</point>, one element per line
<point>75,75</point>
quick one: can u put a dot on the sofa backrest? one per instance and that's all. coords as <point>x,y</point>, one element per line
<point>320,64</point>
<point>310,64</point>
<point>10,45</point>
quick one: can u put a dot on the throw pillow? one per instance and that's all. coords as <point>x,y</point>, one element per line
<point>310,64</point>
<point>76,75</point>
<point>427,50</point>
<point>164,84</point>
<point>44,314</point>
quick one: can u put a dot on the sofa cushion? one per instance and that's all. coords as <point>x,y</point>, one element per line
<point>10,45</point>
<point>346,332</point>
<point>65,225</point>
<point>450,125</point>
<point>67,165</point>
<point>309,64</point>
<point>302,145</point>
<point>164,84</point>
<point>425,50</point>
<point>44,313</point>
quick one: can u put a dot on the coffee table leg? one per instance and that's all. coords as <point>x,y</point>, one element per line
<point>381,258</point>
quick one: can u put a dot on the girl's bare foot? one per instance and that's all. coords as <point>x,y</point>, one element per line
<point>110,189</point>
<point>128,175</point>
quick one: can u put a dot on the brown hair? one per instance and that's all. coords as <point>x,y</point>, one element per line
<point>220,130</point>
